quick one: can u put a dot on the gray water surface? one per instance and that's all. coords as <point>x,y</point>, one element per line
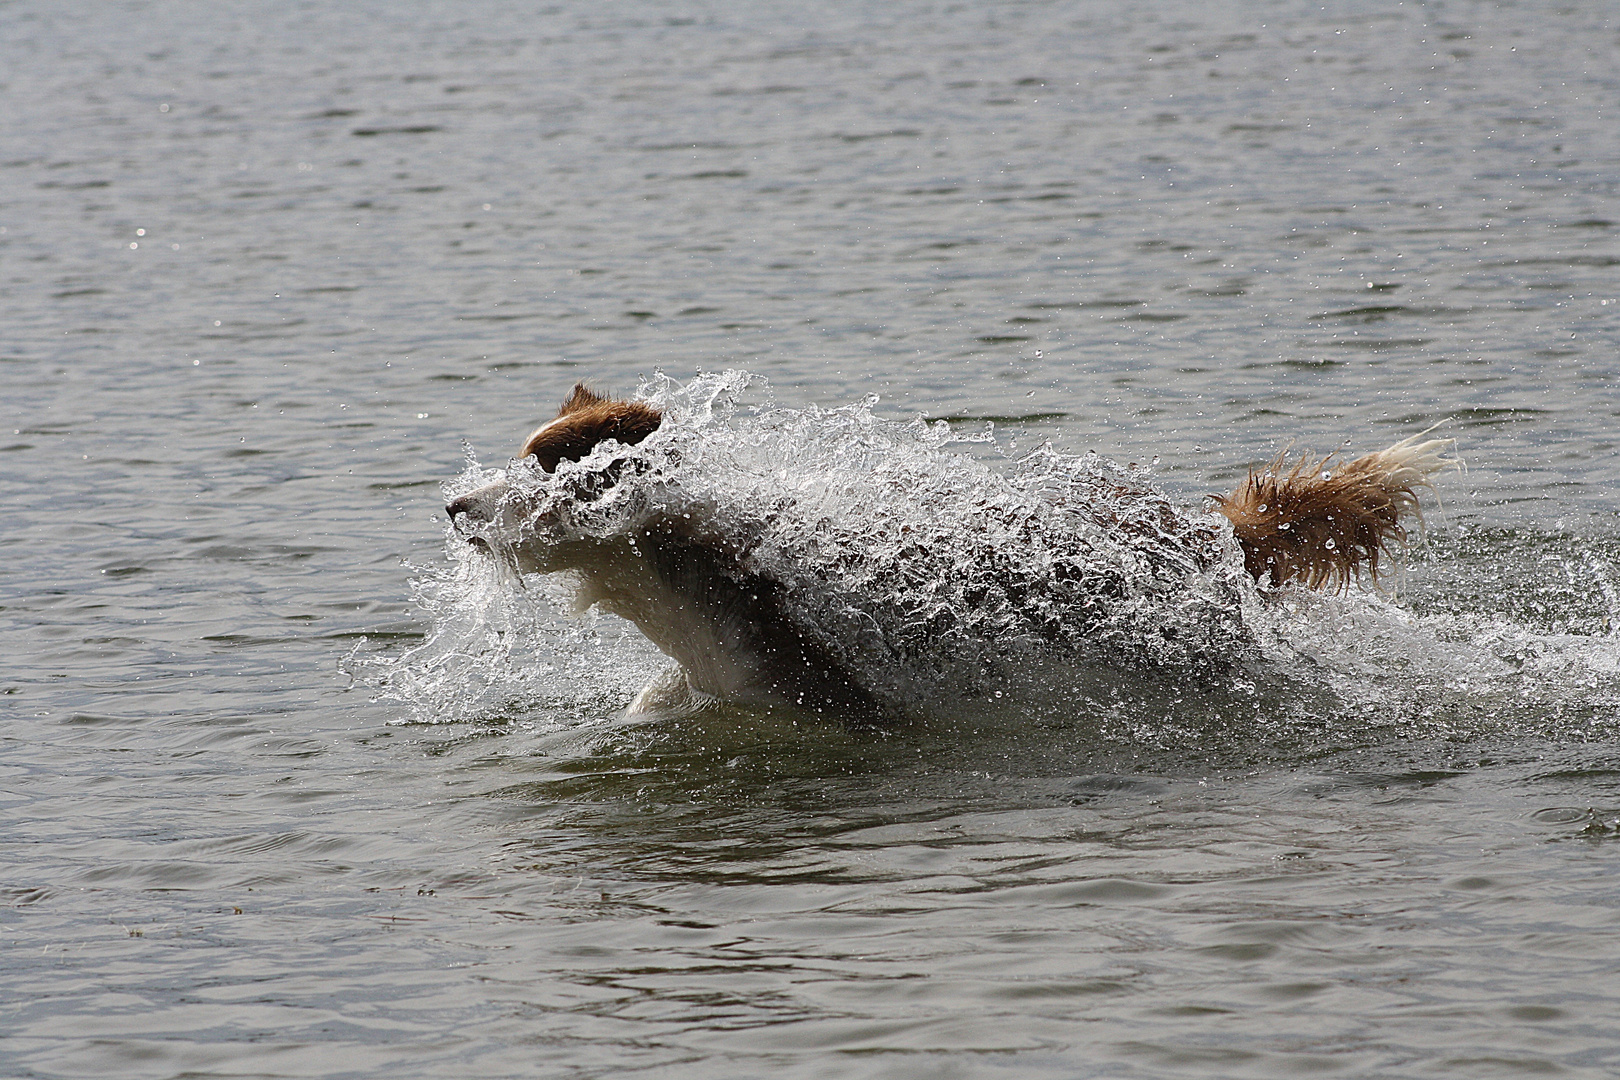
<point>263,269</point>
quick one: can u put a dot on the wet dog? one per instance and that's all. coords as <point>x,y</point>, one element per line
<point>735,631</point>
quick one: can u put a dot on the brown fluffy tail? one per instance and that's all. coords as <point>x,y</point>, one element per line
<point>1321,526</point>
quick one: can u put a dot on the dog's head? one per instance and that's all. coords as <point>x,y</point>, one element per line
<point>585,421</point>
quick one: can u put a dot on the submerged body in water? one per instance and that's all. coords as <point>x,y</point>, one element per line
<point>838,563</point>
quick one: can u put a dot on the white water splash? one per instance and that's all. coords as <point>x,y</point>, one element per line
<point>935,577</point>
<point>497,650</point>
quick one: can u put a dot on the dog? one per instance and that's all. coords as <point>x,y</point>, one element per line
<point>742,630</point>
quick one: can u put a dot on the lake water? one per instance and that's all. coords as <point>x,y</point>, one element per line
<point>264,267</point>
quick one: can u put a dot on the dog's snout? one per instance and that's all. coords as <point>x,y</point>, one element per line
<point>464,505</point>
<point>476,508</point>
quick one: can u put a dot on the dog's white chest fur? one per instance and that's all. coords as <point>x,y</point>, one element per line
<point>686,620</point>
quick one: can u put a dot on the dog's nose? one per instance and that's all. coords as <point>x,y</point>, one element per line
<point>464,505</point>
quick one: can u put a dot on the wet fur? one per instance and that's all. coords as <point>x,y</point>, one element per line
<point>1321,525</point>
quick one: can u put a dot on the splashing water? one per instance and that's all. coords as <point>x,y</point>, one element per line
<point>1057,581</point>
<point>499,651</point>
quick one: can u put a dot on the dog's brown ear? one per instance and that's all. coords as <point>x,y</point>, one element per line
<point>586,420</point>
<point>583,397</point>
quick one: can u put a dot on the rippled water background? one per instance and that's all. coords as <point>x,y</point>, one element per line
<point>263,268</point>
